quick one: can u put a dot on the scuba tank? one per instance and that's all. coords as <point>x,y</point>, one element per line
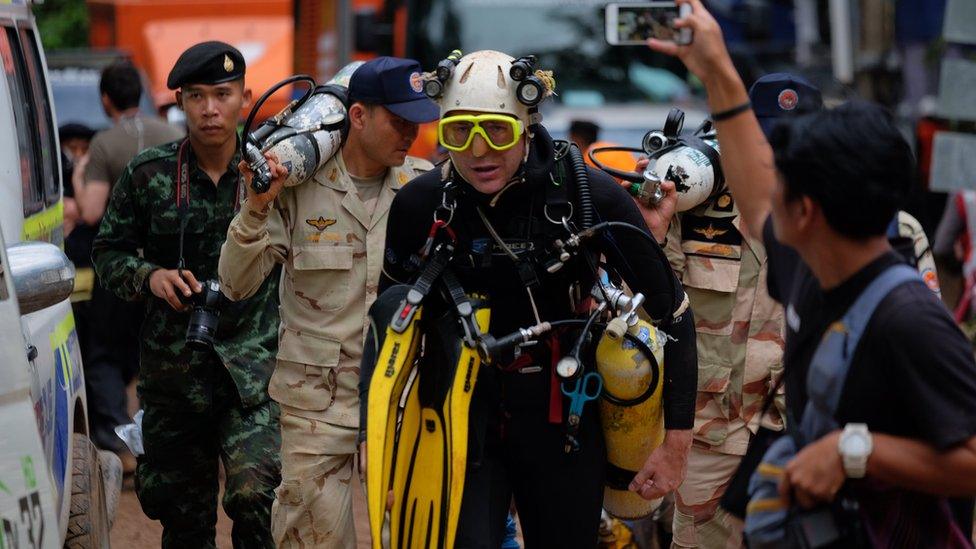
<point>304,135</point>
<point>691,162</point>
<point>629,358</point>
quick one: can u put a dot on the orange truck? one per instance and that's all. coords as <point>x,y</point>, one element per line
<point>156,32</point>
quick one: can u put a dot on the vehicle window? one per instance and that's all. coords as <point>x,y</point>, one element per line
<point>74,90</point>
<point>50,172</point>
<point>16,76</point>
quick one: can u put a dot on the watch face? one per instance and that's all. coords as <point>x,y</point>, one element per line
<point>855,445</point>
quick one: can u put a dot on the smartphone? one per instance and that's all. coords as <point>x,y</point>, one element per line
<point>633,23</point>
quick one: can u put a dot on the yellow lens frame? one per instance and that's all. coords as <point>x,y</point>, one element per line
<point>477,119</point>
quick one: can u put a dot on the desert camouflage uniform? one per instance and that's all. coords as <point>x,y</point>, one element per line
<point>199,406</point>
<point>740,348</point>
<point>332,251</point>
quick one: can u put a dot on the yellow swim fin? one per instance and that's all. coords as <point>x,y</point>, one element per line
<point>432,448</point>
<point>392,371</point>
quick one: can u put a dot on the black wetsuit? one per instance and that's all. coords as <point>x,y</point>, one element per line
<point>514,448</point>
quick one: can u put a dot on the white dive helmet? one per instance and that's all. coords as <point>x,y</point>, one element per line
<point>481,83</point>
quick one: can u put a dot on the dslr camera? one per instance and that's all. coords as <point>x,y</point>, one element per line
<point>204,316</point>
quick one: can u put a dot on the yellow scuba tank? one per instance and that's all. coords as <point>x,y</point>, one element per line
<point>630,410</point>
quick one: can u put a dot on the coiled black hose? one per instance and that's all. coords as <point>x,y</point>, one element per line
<point>582,187</point>
<point>246,133</point>
<point>655,376</point>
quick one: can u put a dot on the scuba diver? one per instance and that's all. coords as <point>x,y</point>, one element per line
<point>491,262</point>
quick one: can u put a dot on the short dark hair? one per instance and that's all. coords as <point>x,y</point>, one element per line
<point>585,130</point>
<point>851,160</point>
<point>120,82</point>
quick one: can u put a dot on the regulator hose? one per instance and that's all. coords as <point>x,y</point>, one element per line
<point>245,133</point>
<point>655,376</point>
<point>582,186</point>
<point>675,288</point>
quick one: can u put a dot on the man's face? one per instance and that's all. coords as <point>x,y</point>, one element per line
<point>385,136</point>
<point>792,219</point>
<point>484,168</point>
<point>75,147</point>
<point>212,111</point>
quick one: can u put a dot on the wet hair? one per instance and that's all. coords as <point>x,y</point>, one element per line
<point>120,82</point>
<point>851,160</point>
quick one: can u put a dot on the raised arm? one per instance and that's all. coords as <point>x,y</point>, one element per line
<point>257,238</point>
<point>747,159</point>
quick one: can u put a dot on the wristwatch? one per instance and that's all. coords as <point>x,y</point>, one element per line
<point>855,447</point>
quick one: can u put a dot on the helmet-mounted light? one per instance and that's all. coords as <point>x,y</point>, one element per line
<point>522,67</point>
<point>531,90</point>
<point>434,85</point>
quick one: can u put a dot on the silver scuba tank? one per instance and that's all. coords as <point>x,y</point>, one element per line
<point>305,135</point>
<point>691,162</point>
<point>690,167</point>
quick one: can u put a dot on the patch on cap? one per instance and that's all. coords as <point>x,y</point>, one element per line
<point>788,99</point>
<point>228,64</point>
<point>416,82</point>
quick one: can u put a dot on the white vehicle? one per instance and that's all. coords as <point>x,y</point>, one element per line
<point>56,489</point>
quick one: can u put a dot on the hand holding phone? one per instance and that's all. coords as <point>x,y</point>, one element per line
<point>634,23</point>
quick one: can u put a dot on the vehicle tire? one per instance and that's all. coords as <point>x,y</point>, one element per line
<point>88,526</point>
<point>111,466</point>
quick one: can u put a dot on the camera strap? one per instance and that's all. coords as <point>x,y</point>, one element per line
<point>182,196</point>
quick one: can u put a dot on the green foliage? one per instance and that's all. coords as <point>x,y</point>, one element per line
<point>62,23</point>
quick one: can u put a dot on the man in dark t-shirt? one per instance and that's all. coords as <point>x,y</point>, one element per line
<point>821,194</point>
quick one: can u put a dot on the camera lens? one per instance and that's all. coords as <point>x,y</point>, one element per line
<point>202,328</point>
<point>204,317</point>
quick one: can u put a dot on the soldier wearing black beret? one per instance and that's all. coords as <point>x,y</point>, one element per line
<point>207,63</point>
<point>206,404</point>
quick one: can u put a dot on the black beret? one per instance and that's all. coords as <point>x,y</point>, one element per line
<point>207,63</point>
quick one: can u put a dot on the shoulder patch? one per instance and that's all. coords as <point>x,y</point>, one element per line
<point>710,236</point>
<point>167,150</point>
<point>419,165</point>
<point>723,203</point>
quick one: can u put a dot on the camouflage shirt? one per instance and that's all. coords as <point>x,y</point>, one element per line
<point>739,327</point>
<point>140,233</point>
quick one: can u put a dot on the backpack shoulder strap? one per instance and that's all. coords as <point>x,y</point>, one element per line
<point>832,359</point>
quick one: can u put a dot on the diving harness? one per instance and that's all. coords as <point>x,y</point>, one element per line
<point>628,376</point>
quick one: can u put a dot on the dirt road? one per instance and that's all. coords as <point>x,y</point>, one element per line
<point>134,530</point>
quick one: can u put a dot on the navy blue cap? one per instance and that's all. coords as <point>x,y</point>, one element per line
<point>396,84</point>
<point>779,95</point>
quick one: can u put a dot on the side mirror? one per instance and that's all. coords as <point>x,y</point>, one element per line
<point>42,275</point>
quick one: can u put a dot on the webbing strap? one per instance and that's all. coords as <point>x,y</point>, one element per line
<point>832,359</point>
<point>421,288</point>
<point>463,307</point>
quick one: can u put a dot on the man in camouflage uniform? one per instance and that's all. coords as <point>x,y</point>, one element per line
<point>200,406</point>
<point>740,355</point>
<point>739,329</point>
<point>329,234</point>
